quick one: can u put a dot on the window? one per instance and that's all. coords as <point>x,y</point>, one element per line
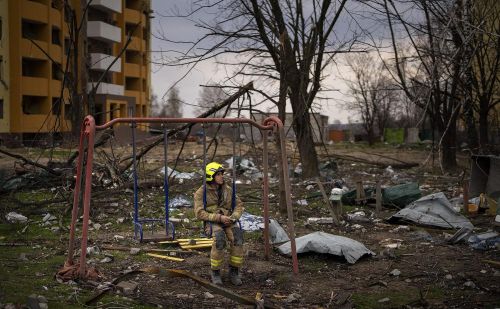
<point>34,105</point>
<point>56,36</point>
<point>56,106</point>
<point>57,74</point>
<point>1,108</point>
<point>67,46</point>
<point>34,67</point>
<point>34,31</point>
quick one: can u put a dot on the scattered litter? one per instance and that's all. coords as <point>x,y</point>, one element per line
<point>470,284</point>
<point>395,272</point>
<point>127,287</point>
<point>118,237</point>
<point>48,217</point>
<point>484,241</point>
<point>323,220</point>
<point>298,170</point>
<point>460,235</point>
<point>106,260</point>
<point>448,277</point>
<point>207,295</point>
<point>294,297</point>
<point>135,251</point>
<point>401,228</point>
<point>302,202</point>
<point>251,222</point>
<point>180,201</point>
<point>14,217</point>
<point>176,174</point>
<point>94,250</point>
<point>358,216</point>
<point>321,242</point>
<point>391,243</point>
<point>309,187</point>
<point>434,210</point>
<point>384,300</point>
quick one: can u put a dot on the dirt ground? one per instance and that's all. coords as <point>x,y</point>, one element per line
<point>433,273</point>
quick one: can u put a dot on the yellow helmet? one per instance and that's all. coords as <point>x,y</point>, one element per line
<point>211,169</point>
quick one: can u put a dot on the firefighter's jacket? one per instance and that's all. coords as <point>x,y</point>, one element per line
<point>216,205</point>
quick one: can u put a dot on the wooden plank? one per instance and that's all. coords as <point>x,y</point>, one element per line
<point>197,246</point>
<point>327,201</point>
<point>170,258</point>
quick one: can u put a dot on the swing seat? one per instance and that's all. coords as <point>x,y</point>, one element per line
<point>154,234</point>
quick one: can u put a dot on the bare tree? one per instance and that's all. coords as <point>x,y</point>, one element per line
<point>374,95</point>
<point>173,106</point>
<point>209,97</point>
<point>285,42</point>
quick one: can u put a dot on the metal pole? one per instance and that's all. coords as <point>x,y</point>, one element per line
<point>165,177</point>
<point>288,191</point>
<point>76,195</point>
<point>134,171</point>
<point>86,195</point>
<point>265,194</point>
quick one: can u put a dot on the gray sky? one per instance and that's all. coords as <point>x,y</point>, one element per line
<point>208,72</point>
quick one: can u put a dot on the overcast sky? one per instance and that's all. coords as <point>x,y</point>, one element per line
<point>208,72</point>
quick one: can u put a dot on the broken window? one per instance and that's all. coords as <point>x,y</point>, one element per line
<point>56,36</point>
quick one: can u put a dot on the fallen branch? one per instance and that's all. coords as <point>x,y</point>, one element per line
<point>214,109</point>
<point>366,161</point>
<point>28,161</point>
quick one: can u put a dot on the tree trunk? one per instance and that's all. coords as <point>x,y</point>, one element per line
<point>304,136</point>
<point>483,124</point>
<point>282,117</point>
<point>448,147</point>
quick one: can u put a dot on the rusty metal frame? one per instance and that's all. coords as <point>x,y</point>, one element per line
<point>87,136</point>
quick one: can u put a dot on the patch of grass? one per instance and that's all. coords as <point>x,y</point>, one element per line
<point>252,236</point>
<point>34,196</point>
<point>397,298</point>
<point>20,278</point>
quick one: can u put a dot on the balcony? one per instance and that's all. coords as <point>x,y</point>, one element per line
<point>101,62</point>
<point>105,88</point>
<point>137,44</point>
<point>111,6</point>
<point>132,16</point>
<point>35,11</point>
<point>132,69</point>
<point>35,86</point>
<point>102,31</point>
<point>28,49</point>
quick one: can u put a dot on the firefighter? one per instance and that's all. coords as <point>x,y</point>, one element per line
<point>221,221</point>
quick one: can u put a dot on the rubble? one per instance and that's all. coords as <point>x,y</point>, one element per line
<point>14,217</point>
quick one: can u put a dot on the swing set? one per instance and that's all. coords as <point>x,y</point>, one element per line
<point>86,154</point>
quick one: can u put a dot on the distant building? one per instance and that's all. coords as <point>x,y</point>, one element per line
<point>31,81</point>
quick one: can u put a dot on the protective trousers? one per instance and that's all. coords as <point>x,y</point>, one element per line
<point>234,235</point>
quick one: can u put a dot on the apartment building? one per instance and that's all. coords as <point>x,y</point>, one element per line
<point>36,49</point>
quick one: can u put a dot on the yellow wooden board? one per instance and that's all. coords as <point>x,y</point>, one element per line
<point>171,258</point>
<point>196,246</point>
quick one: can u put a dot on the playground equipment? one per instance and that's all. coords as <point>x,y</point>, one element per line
<point>86,154</point>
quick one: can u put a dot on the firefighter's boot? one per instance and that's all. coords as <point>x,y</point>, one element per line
<point>234,275</point>
<point>216,279</point>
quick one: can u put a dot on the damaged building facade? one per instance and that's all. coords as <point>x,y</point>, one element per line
<point>36,46</point>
